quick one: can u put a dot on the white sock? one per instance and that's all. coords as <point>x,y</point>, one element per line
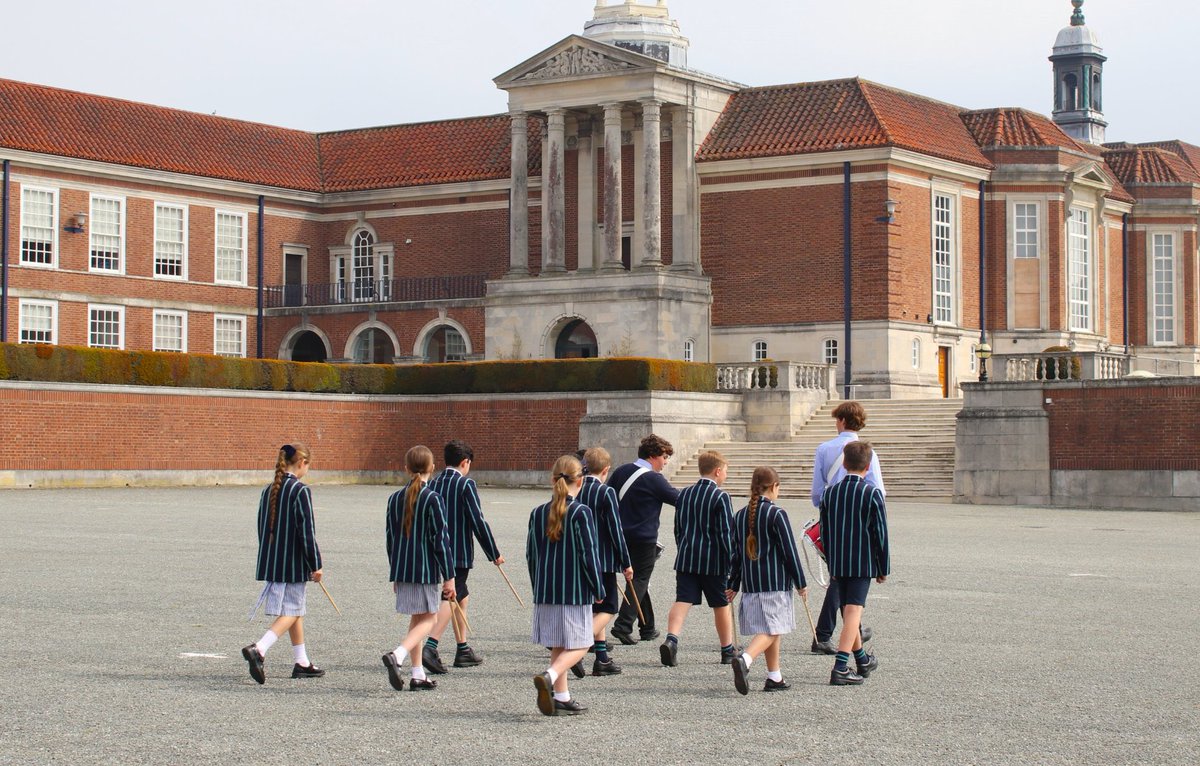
<point>775,675</point>
<point>562,696</point>
<point>418,673</point>
<point>266,642</point>
<point>746,658</point>
<point>553,676</point>
<point>401,653</point>
<point>300,655</point>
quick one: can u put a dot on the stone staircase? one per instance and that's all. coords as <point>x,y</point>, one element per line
<point>913,437</point>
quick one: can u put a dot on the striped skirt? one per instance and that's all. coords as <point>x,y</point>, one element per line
<point>281,599</point>
<point>418,597</point>
<point>772,612</point>
<point>568,626</point>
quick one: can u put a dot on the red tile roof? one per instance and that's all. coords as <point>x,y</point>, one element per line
<point>1189,152</point>
<point>1134,165</point>
<point>1011,127</point>
<point>46,120</point>
<point>837,114</point>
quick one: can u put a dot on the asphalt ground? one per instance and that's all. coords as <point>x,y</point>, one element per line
<point>1006,635</point>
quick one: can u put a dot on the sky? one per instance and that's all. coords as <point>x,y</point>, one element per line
<point>322,65</point>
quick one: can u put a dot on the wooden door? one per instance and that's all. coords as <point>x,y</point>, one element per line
<point>944,370</point>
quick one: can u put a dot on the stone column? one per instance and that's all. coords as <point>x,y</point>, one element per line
<point>554,199</point>
<point>518,202</point>
<point>587,195</point>
<point>684,218</point>
<point>612,188</point>
<point>652,184</point>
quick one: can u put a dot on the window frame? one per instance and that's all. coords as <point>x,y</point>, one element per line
<point>120,311</point>
<point>1073,264</point>
<point>183,275</point>
<point>825,349</point>
<point>245,219</point>
<point>241,320</point>
<point>34,302</point>
<point>916,353</point>
<point>1017,230</point>
<point>93,198</point>
<point>183,331</point>
<point>54,228</point>
<point>1152,273</point>
<point>946,315</point>
<point>689,350</point>
<point>754,351</point>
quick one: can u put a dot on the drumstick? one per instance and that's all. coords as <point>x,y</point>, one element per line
<point>809,613</point>
<point>461,614</point>
<point>510,585</point>
<point>335,606</point>
<point>636,602</point>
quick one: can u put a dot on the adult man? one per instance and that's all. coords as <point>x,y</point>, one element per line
<point>641,491</point>
<point>827,471</point>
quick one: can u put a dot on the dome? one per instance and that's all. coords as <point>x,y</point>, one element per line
<point>645,29</point>
<point>1078,39</point>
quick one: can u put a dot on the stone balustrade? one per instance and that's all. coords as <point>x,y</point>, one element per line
<point>1059,365</point>
<point>777,376</point>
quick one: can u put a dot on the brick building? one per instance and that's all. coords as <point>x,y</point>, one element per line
<point>625,204</point>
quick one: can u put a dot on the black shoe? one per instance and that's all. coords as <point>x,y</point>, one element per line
<point>545,694</point>
<point>727,656</point>
<point>649,635</point>
<point>431,661</point>
<point>739,676</point>
<point>577,670</point>
<point>669,653</point>
<point>624,638</point>
<point>393,671</point>
<point>776,686</point>
<point>609,668</point>
<point>256,663</point>
<point>307,671</point>
<point>845,677</point>
<point>422,685</point>
<point>570,707</point>
<point>871,665</point>
<point>866,633</point>
<point>467,658</point>
<point>824,647</point>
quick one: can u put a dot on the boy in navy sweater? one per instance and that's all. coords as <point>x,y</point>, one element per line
<point>704,540</point>
<point>854,534</point>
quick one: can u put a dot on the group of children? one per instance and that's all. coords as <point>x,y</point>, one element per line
<point>575,548</point>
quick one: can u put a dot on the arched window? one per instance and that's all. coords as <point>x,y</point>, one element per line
<point>308,347</point>
<point>1096,103</point>
<point>445,344</point>
<point>373,346</point>
<point>830,352</point>
<point>916,353</point>
<point>363,266</point>
<point>1070,93</point>
<point>689,350</point>
<point>576,341</point>
<point>760,350</point>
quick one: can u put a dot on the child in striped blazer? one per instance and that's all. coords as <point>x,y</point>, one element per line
<point>420,564</point>
<point>854,535</point>
<point>564,568</point>
<point>610,544</point>
<point>766,566</point>
<point>464,512</point>
<point>704,540</point>
<point>288,557</point>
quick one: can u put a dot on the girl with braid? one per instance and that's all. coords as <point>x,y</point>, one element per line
<point>421,564</point>
<point>766,566</point>
<point>564,568</point>
<point>288,557</point>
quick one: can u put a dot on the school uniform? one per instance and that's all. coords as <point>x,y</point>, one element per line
<point>421,560</point>
<point>704,542</point>
<point>640,507</point>
<point>287,552</point>
<point>767,582</point>
<point>565,575</point>
<point>854,534</point>
<point>610,540</point>
<point>464,514</point>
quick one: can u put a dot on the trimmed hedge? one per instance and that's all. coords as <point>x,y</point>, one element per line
<point>71,364</point>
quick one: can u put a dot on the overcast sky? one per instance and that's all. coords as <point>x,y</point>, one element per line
<point>329,65</point>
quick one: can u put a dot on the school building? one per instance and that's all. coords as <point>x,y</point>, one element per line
<point>625,205</point>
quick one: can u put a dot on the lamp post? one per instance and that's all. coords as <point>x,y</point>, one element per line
<point>984,352</point>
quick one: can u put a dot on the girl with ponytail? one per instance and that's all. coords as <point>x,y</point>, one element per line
<point>564,568</point>
<point>766,566</point>
<point>288,557</point>
<point>420,562</point>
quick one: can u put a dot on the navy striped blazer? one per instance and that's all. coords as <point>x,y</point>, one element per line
<point>289,552</point>
<point>464,512</point>
<point>704,529</point>
<point>567,570</point>
<point>854,529</point>
<point>778,564</point>
<point>424,556</point>
<point>610,541</point>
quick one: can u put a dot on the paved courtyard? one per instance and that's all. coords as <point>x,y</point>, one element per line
<point>1006,635</point>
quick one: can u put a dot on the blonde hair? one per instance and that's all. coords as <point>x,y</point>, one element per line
<point>597,459</point>
<point>763,479</point>
<point>565,473</point>
<point>290,455</point>
<point>418,461</point>
<point>709,461</point>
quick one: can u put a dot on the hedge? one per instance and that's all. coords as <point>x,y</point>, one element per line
<point>70,364</point>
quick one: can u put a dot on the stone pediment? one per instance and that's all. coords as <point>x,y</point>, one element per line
<point>574,61</point>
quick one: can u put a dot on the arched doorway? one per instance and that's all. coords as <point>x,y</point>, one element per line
<point>576,341</point>
<point>373,346</point>
<point>308,347</point>
<point>445,344</point>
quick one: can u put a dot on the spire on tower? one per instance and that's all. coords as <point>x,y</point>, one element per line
<point>1077,16</point>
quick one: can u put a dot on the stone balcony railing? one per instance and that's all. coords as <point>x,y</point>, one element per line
<point>777,376</point>
<point>777,397</point>
<point>1059,365</point>
<point>400,290</point>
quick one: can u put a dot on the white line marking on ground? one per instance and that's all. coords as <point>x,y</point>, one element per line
<point>1086,574</point>
<point>207,656</point>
